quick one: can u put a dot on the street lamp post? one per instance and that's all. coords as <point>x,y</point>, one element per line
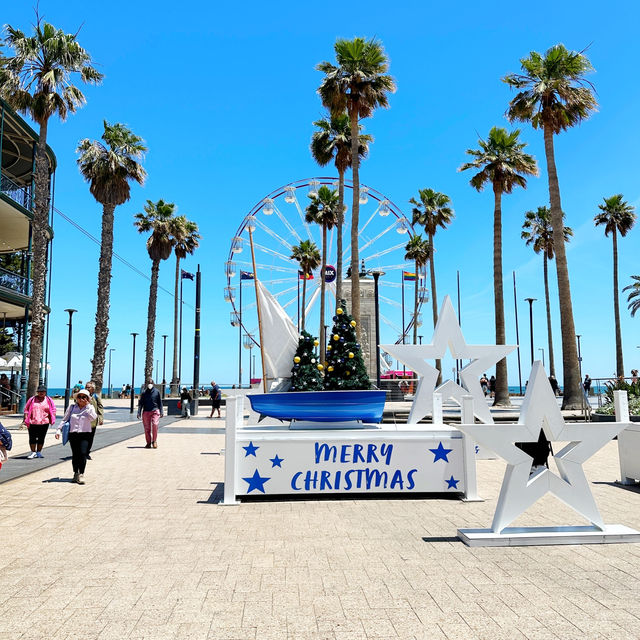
<point>109,382</point>
<point>531,301</point>
<point>579,356</point>
<point>67,390</point>
<point>541,349</point>
<point>376,275</point>
<point>133,373</point>
<point>164,364</point>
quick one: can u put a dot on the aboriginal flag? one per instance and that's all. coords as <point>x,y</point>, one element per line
<point>301,276</point>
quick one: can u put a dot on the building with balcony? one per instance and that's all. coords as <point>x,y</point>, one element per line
<point>17,191</point>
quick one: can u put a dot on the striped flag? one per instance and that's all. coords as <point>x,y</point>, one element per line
<point>301,276</point>
<point>408,276</point>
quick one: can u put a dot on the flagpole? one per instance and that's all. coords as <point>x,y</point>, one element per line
<point>240,339</point>
<point>458,362</point>
<point>404,368</point>
<point>255,280</point>
<point>180,349</point>
<point>298,301</point>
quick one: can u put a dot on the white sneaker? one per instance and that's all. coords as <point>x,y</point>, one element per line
<point>32,455</point>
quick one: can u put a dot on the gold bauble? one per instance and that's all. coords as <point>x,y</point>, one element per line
<point>296,359</point>
<point>348,373</point>
<point>350,354</point>
<point>328,347</point>
<point>353,323</point>
<point>315,343</point>
<point>330,368</point>
<point>339,312</point>
<point>336,336</point>
<point>320,367</point>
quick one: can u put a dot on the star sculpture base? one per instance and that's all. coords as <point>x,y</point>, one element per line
<point>540,536</point>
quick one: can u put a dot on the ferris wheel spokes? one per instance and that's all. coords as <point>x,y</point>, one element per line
<point>273,234</point>
<point>286,223</point>
<point>272,252</point>
<point>302,218</point>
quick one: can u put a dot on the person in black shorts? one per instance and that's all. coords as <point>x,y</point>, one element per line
<point>216,398</point>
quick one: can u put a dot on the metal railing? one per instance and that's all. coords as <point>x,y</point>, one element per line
<point>15,282</point>
<point>20,195</point>
<point>9,398</point>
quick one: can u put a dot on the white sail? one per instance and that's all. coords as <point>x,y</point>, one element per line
<point>279,336</point>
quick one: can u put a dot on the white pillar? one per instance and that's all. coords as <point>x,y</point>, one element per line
<point>234,410</point>
<point>469,451</point>
<point>621,404</point>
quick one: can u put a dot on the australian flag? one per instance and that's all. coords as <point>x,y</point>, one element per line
<point>186,275</point>
<point>246,275</point>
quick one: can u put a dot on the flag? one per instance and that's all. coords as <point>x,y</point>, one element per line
<point>301,276</point>
<point>246,275</point>
<point>407,276</point>
<point>185,274</point>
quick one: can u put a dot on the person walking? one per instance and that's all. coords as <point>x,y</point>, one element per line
<point>96,401</point>
<point>39,413</point>
<point>492,387</point>
<point>150,407</point>
<point>484,384</point>
<point>587,384</point>
<point>185,403</point>
<point>216,398</point>
<point>79,416</point>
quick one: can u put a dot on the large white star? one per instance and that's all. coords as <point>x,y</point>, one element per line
<point>540,411</point>
<point>448,335</point>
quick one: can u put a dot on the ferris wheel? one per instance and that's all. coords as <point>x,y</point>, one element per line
<point>277,224</point>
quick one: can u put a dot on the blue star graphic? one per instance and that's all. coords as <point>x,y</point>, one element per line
<point>451,483</point>
<point>440,453</point>
<point>256,482</point>
<point>251,450</point>
<point>276,462</point>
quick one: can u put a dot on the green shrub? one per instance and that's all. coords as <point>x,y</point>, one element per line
<point>609,409</point>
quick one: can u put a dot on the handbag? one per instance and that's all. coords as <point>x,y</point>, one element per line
<point>179,404</point>
<point>65,432</point>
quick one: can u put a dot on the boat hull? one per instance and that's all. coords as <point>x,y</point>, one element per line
<point>321,406</point>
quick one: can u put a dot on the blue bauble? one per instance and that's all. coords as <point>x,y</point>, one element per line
<point>342,339</point>
<point>357,346</point>
<point>296,366</point>
<point>335,318</point>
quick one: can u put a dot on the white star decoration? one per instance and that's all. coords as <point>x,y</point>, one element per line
<point>448,334</point>
<point>540,411</point>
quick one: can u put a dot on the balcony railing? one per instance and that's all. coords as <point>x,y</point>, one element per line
<point>15,282</point>
<point>21,195</point>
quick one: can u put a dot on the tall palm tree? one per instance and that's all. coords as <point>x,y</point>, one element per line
<point>323,210</point>
<point>553,96</point>
<point>502,162</point>
<point>358,85</point>
<point>158,219</point>
<point>617,216</point>
<point>433,210</point>
<point>537,232</point>
<point>420,252</point>
<point>308,257</point>
<point>634,297</point>
<point>332,141</point>
<point>108,168</point>
<point>185,238</point>
<point>36,81</point>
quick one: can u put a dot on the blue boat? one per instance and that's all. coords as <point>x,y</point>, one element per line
<point>321,406</point>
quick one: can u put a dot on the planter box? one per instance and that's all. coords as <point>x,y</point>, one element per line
<point>599,417</point>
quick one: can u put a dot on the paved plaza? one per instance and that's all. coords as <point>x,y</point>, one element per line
<point>144,551</point>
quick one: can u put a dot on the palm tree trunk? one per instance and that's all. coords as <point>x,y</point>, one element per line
<point>104,297</point>
<point>339,238</point>
<point>552,366</point>
<point>40,238</point>
<point>434,301</point>
<point>355,223</point>
<point>415,306</point>
<point>304,295</point>
<point>572,397</point>
<point>502,384</point>
<point>173,389</point>
<point>151,321</point>
<point>616,307</point>
<point>322,286</point>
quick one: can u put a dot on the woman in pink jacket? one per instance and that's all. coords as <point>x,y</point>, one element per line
<point>79,416</point>
<point>39,413</point>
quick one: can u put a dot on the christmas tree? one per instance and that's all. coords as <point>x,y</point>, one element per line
<point>306,374</point>
<point>345,365</point>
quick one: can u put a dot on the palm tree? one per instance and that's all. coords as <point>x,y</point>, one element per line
<point>432,211</point>
<point>617,216</point>
<point>185,237</point>
<point>634,297</point>
<point>158,219</point>
<point>503,163</point>
<point>357,85</point>
<point>333,140</point>
<point>108,168</point>
<point>553,96</point>
<point>323,210</point>
<point>539,233</point>
<point>420,252</point>
<point>308,256</point>
<point>36,81</point>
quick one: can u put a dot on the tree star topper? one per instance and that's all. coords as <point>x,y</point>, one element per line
<point>448,334</point>
<point>520,490</point>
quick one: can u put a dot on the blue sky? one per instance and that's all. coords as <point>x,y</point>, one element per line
<point>225,96</point>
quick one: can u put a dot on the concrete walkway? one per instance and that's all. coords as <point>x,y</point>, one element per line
<point>144,551</point>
